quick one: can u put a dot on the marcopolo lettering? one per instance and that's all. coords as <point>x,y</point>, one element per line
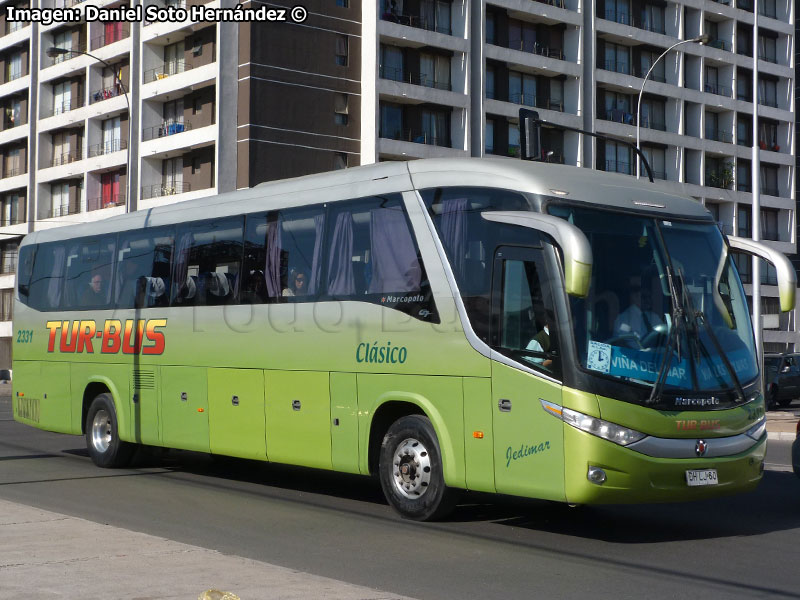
<point>381,353</point>
<point>131,337</point>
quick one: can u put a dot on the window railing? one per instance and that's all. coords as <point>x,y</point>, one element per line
<point>106,201</point>
<point>745,141</point>
<point>722,179</point>
<point>746,96</point>
<point>106,39</point>
<point>743,186</point>
<point>725,2</point>
<point>166,70</point>
<point>13,172</point>
<point>623,67</point>
<point>769,57</point>
<point>105,93</point>
<point>65,158</point>
<point>769,190</point>
<point>66,106</point>
<point>625,18</point>
<point>658,174</point>
<point>165,129</point>
<point>616,166</point>
<point>618,115</point>
<point>556,3</point>
<point>718,135</point>
<point>418,22</point>
<point>423,79</point>
<point>720,45</point>
<point>165,189</point>
<point>531,100</point>
<point>14,74</point>
<point>416,137</point>
<point>772,146</point>
<point>655,76</point>
<point>107,147</point>
<point>768,102</point>
<point>19,220</point>
<point>59,58</point>
<point>535,48</point>
<point>63,210</point>
<point>719,90</point>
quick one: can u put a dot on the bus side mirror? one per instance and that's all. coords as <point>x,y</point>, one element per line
<point>530,135</point>
<point>787,280</point>
<point>573,243</point>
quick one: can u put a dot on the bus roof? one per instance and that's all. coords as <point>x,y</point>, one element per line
<point>567,182</point>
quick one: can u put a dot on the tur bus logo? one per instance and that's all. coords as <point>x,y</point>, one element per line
<point>115,335</point>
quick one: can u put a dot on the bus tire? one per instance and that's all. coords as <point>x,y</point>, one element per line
<point>106,449</point>
<point>411,473</point>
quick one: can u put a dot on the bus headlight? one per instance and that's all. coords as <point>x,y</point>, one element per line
<point>603,429</point>
<point>757,431</point>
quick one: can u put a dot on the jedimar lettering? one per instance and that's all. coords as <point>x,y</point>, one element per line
<point>140,336</point>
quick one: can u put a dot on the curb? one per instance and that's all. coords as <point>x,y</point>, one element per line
<point>781,435</point>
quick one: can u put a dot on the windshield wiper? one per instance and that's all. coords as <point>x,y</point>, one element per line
<point>700,317</point>
<point>677,317</point>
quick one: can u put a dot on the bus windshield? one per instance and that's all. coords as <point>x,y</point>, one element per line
<point>665,303</point>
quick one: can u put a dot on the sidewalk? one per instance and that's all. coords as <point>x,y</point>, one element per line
<point>782,424</point>
<point>48,556</point>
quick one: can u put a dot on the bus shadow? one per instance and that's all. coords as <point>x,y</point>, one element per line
<point>774,506</point>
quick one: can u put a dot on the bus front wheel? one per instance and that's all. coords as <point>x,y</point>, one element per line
<point>410,470</point>
<point>102,435</point>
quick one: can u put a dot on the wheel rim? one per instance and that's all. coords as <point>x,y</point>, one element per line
<point>101,431</point>
<point>411,468</point>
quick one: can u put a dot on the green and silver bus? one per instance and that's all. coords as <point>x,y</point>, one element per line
<point>448,324</point>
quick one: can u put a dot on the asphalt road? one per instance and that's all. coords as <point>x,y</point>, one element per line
<point>338,526</point>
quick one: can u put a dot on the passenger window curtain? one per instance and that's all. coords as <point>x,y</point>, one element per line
<point>395,264</point>
<point>341,281</point>
<point>454,232</point>
<point>182,263</point>
<point>56,275</point>
<point>316,262</point>
<point>272,269</point>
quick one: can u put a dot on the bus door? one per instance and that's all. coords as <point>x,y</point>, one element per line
<point>528,443</point>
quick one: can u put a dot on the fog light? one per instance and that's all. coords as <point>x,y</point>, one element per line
<point>596,475</point>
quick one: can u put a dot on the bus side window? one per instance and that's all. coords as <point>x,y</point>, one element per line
<point>254,289</point>
<point>47,279</point>
<point>25,272</point>
<point>143,269</point>
<point>89,269</point>
<point>208,262</point>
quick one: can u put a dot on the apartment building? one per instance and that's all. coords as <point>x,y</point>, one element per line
<point>212,107</point>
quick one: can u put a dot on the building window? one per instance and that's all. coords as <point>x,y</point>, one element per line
<point>619,11</point>
<point>435,127</point>
<point>617,58</point>
<point>174,58</point>
<point>109,185</point>
<point>62,93</point>
<point>657,157</point>
<point>491,34</point>
<point>8,260</point>
<point>653,18</point>
<point>340,119</point>
<point>343,3</point>
<point>14,67</point>
<point>490,82</point>
<point>556,95</point>
<point>769,224</point>
<point>61,148</point>
<point>391,66</point>
<point>391,121</point>
<point>112,141</point>
<point>618,108</point>
<point>768,135</point>
<point>339,161</point>
<point>744,131</point>
<point>521,36</point>
<point>172,176</point>
<point>768,48</point>
<point>769,180</point>
<point>434,71</point>
<point>59,196</point>
<point>13,114</point>
<point>488,145</point>
<point>13,209</point>
<point>743,171</point>
<point>521,88</point>
<point>744,86</point>
<point>62,39</point>
<point>768,92</point>
<point>743,212</point>
<point>618,158</point>
<point>341,109</point>
<point>513,139</point>
<point>341,50</point>
<point>648,57</point>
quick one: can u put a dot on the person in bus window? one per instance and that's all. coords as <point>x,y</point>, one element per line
<point>541,341</point>
<point>297,284</point>
<point>637,320</point>
<point>96,293</point>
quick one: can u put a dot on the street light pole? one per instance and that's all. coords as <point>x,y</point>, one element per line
<point>703,39</point>
<point>52,52</point>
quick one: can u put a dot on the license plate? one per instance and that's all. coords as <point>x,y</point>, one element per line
<point>702,477</point>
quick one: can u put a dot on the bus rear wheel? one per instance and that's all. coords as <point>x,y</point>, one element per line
<point>410,470</point>
<point>106,449</point>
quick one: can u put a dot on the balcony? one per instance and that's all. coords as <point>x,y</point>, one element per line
<point>19,220</point>
<point>107,148</point>
<point>63,210</point>
<point>13,172</point>
<point>770,190</point>
<point>78,50</point>
<point>615,166</point>
<point>556,3</point>
<point>105,93</point>
<point>625,18</point>
<point>766,146</point>
<point>719,90</point>
<point>165,129</point>
<point>536,48</point>
<point>720,179</point>
<point>418,22</point>
<point>770,57</point>
<point>532,100</point>
<point>417,137</point>
<point>105,202</point>
<point>423,79</point>
<point>165,70</point>
<point>106,39</point>
<point>720,45</point>
<point>65,158</point>
<point>66,106</point>
<point>617,66</point>
<point>165,189</point>
<point>718,135</point>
